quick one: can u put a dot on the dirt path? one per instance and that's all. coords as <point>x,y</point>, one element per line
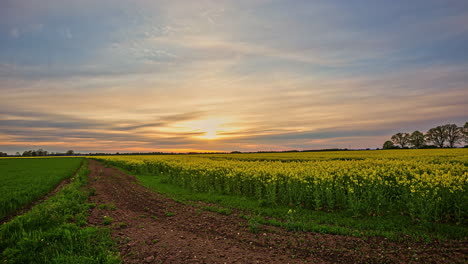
<point>151,228</point>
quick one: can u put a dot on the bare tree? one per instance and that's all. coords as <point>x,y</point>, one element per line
<point>401,139</point>
<point>41,152</point>
<point>465,132</point>
<point>437,135</point>
<point>417,139</point>
<point>453,133</point>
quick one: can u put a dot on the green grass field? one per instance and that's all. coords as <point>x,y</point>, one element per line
<point>55,231</point>
<point>27,179</point>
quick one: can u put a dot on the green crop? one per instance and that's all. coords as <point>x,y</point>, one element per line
<point>24,180</point>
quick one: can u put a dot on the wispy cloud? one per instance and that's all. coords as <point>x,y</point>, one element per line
<point>266,74</point>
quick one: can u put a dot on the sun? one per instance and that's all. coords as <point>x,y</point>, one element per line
<point>209,128</point>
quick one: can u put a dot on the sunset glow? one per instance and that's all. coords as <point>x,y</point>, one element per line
<point>209,127</point>
<point>134,76</point>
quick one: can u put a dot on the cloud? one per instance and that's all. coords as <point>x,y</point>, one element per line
<point>14,33</point>
<point>65,33</point>
<point>137,75</point>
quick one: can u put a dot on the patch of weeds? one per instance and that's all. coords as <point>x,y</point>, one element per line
<point>107,220</point>
<point>120,225</point>
<point>167,213</point>
<point>110,206</point>
<point>254,225</point>
<point>154,241</point>
<point>143,216</point>
<point>125,240</point>
<point>154,217</point>
<point>92,191</point>
<point>219,210</point>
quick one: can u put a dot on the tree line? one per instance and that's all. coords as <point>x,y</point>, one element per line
<point>41,152</point>
<point>438,137</point>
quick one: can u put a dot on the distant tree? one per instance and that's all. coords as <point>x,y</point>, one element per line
<point>417,139</point>
<point>70,152</point>
<point>437,135</point>
<point>18,154</point>
<point>41,152</point>
<point>453,133</point>
<point>465,132</point>
<point>3,154</point>
<point>429,147</point>
<point>388,145</point>
<point>401,139</point>
<point>27,153</point>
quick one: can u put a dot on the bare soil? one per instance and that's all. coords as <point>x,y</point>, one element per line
<point>151,228</point>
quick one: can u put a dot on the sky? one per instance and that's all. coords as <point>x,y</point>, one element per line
<point>219,75</point>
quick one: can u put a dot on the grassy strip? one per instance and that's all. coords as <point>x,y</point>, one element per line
<point>394,227</point>
<point>55,231</point>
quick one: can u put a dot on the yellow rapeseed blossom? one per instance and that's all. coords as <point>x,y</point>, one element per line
<point>427,184</point>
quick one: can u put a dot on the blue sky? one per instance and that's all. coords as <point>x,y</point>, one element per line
<point>228,75</point>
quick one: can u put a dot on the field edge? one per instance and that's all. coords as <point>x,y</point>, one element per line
<point>56,231</point>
